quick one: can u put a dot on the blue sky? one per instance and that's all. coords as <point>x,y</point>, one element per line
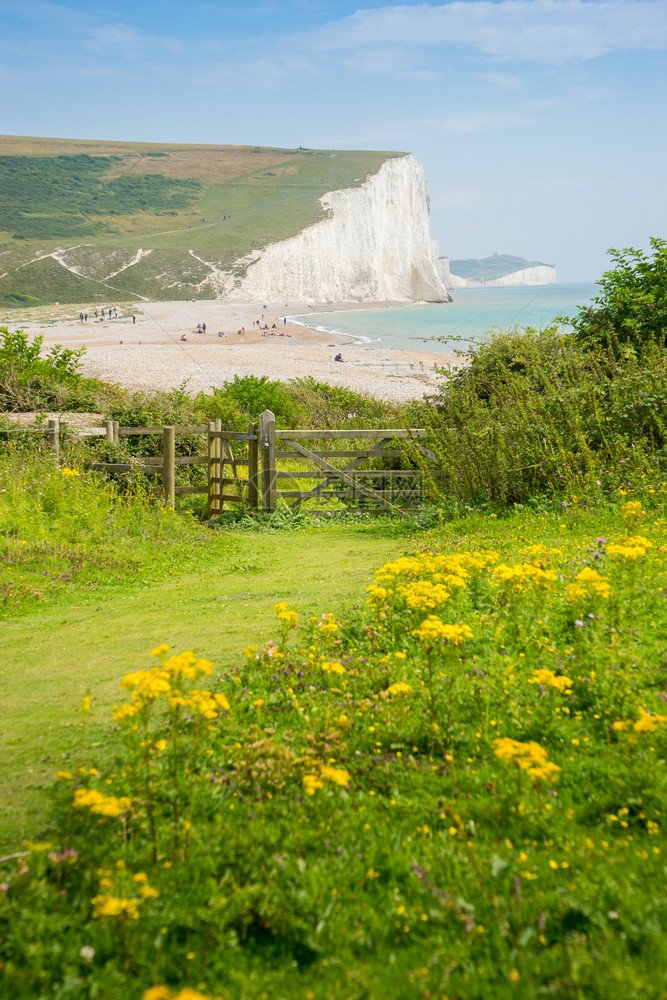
<point>540,123</point>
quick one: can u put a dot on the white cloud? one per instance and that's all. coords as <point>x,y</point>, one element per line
<point>465,199</point>
<point>506,81</point>
<point>542,31</point>
<point>480,121</point>
<point>593,93</point>
<point>122,38</point>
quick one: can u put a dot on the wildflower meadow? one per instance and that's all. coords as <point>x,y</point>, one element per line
<point>271,758</point>
<point>453,789</point>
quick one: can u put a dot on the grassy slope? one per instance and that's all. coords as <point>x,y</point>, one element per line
<point>215,603</point>
<point>269,194</point>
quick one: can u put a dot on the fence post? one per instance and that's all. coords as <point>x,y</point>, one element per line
<point>214,469</point>
<point>220,459</point>
<point>267,439</point>
<point>169,465</point>
<point>112,429</point>
<point>252,468</point>
<point>53,433</point>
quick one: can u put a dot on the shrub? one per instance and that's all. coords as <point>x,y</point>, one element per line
<point>31,380</point>
<point>538,411</point>
<point>631,312</point>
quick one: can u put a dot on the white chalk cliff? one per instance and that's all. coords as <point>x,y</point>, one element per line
<point>375,244</point>
<point>543,274</point>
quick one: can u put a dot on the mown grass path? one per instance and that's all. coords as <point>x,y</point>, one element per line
<point>215,607</point>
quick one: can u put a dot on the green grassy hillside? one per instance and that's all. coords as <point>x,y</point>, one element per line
<point>80,220</point>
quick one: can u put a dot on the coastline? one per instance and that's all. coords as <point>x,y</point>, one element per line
<point>162,349</point>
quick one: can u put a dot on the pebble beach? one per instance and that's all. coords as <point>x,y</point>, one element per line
<point>162,348</point>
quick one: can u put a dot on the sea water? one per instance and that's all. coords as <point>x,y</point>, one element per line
<point>454,326</point>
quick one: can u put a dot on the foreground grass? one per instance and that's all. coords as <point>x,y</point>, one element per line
<point>368,806</point>
<point>216,596</point>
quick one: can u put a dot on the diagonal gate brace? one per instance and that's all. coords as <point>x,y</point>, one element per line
<point>340,474</point>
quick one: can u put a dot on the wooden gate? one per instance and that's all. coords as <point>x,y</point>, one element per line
<point>348,481</point>
<point>339,473</point>
<point>225,482</point>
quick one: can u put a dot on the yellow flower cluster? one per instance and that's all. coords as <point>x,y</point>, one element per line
<point>632,509</point>
<point>327,625</point>
<point>102,805</point>
<point>376,594</point>
<point>514,577</point>
<point>200,702</point>
<point>424,594</point>
<point>69,472</point>
<point>148,685</point>
<point>400,687</point>
<point>451,568</point>
<point>547,678</point>
<point>164,993</point>
<point>529,757</point>
<point>337,775</point>
<point>115,906</point>
<point>647,722</point>
<point>433,631</point>
<point>588,582</point>
<point>629,547</point>
<point>332,667</point>
<point>283,614</point>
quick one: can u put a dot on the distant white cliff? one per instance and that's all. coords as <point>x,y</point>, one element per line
<point>376,244</point>
<point>542,275</point>
<point>494,272</point>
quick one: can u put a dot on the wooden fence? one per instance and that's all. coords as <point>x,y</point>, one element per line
<point>339,473</point>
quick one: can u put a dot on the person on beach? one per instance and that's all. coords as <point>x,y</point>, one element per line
<point>80,317</point>
<point>339,357</point>
<point>134,318</point>
<point>203,326</point>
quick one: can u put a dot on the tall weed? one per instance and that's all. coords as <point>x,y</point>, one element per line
<point>537,412</point>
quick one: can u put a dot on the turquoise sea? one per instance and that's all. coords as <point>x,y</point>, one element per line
<point>456,325</point>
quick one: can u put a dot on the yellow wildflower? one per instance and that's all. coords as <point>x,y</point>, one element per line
<point>311,783</point>
<point>332,667</point>
<point>113,906</point>
<point>432,631</point>
<point>283,614</point>
<point>547,678</point>
<point>400,687</point>
<point>629,547</point>
<point>529,757</point>
<point>157,993</point>
<point>336,774</point>
<point>102,805</point>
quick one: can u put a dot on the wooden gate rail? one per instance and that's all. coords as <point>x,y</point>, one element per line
<point>266,447</point>
<point>330,475</point>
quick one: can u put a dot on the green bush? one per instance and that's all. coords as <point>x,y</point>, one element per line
<point>540,411</point>
<point>30,380</point>
<point>631,312</point>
